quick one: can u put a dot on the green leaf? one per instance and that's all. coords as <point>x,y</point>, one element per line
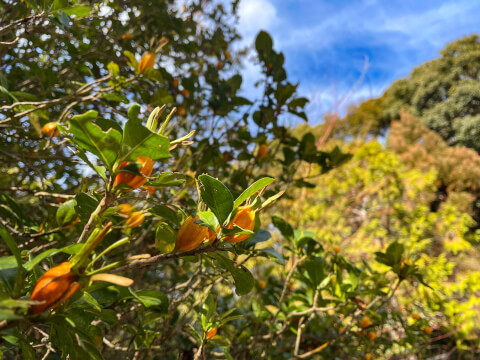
<point>323,284</point>
<point>89,299</point>
<point>58,4</point>
<point>12,244</point>
<point>251,190</point>
<point>285,228</point>
<point>168,178</point>
<point>208,218</point>
<point>275,254</point>
<point>315,271</point>
<point>70,335</point>
<point>166,212</point>
<point>10,209</point>
<point>66,213</point>
<point>113,68</point>
<point>86,205</point>
<point>260,236</point>
<point>308,149</point>
<point>115,97</point>
<point>8,314</point>
<point>100,170</point>
<point>132,61</point>
<point>298,102</point>
<point>394,252</point>
<point>165,238</point>
<point>140,141</point>
<point>242,277</point>
<point>8,272</point>
<point>153,74</point>
<point>107,124</point>
<point>90,137</point>
<point>70,249</point>
<point>28,353</point>
<point>263,42</point>
<point>217,197</point>
<point>63,18</point>
<point>284,93</point>
<point>152,298</point>
<point>79,11</point>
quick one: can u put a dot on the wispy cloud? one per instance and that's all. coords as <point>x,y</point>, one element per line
<point>325,42</point>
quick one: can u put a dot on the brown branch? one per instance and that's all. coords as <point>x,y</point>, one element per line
<point>20,21</point>
<point>39,193</point>
<point>28,235</point>
<point>158,259</point>
<point>38,105</point>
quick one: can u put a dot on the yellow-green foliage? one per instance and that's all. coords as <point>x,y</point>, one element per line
<point>374,200</point>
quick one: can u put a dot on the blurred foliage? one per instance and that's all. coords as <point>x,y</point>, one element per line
<point>376,200</point>
<point>444,93</point>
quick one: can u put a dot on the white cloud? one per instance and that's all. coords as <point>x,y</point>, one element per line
<point>254,16</point>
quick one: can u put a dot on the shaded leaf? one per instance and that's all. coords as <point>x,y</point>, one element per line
<point>217,197</point>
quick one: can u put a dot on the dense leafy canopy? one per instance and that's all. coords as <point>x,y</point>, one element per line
<point>444,93</point>
<point>117,229</point>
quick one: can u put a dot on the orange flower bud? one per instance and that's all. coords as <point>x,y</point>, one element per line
<point>244,218</point>
<point>365,322</point>
<point>54,287</point>
<point>191,235</point>
<point>135,219</point>
<point>220,65</point>
<point>336,249</point>
<point>416,316</point>
<point>126,36</point>
<point>371,336</point>
<point>368,356</point>
<point>185,93</point>
<point>227,54</point>
<point>147,62</point>
<point>50,129</point>
<point>212,333</point>
<point>181,111</point>
<point>125,209</point>
<point>428,330</point>
<point>211,235</point>
<point>132,180</point>
<point>175,83</point>
<point>262,284</point>
<point>262,151</point>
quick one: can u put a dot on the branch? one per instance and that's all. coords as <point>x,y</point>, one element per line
<point>39,193</point>
<point>38,105</point>
<point>28,235</point>
<point>392,288</point>
<point>154,260</point>
<point>102,206</point>
<point>20,21</point>
<point>296,262</point>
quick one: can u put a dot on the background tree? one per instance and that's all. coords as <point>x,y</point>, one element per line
<point>444,93</point>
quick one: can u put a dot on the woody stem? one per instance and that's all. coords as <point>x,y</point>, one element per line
<point>102,206</point>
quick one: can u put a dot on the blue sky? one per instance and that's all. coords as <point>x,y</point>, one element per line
<point>328,44</point>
